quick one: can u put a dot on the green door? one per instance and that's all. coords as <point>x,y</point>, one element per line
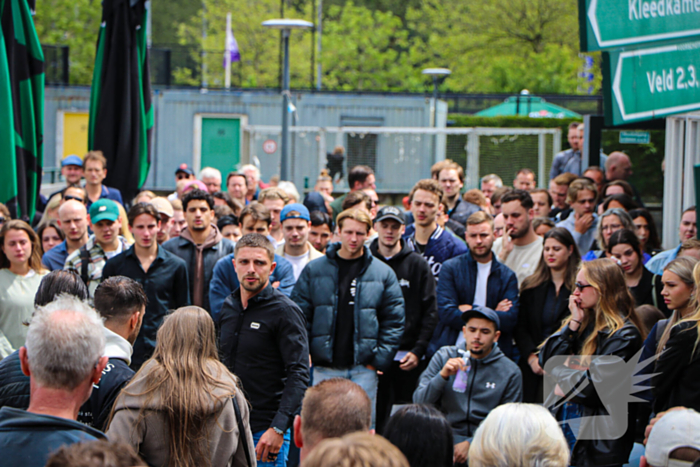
<point>221,144</point>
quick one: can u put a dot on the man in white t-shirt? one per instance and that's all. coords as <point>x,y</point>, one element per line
<point>295,224</point>
<point>520,248</point>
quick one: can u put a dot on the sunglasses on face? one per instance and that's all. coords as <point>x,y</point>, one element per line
<point>581,286</point>
<point>69,197</point>
<point>2,220</point>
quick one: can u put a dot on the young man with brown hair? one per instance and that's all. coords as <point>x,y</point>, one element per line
<point>425,235</point>
<point>255,218</point>
<point>355,331</point>
<point>359,177</point>
<point>583,222</point>
<point>263,341</point>
<point>451,178</point>
<point>274,199</point>
<point>95,168</point>
<point>162,275</point>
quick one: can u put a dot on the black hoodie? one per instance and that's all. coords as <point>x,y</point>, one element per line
<point>418,288</point>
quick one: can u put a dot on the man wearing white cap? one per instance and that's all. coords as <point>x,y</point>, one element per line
<point>166,211</point>
<point>674,440</point>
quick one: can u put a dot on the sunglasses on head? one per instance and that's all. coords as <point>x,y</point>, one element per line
<point>69,197</point>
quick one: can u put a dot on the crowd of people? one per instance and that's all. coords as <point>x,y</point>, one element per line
<point>244,324</point>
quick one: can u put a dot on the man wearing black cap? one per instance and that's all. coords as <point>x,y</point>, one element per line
<point>183,172</point>
<point>417,283</point>
<point>467,381</point>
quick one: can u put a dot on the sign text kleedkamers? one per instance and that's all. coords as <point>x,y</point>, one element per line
<point>606,24</point>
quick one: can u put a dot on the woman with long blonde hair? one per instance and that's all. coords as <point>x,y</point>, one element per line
<point>178,410</point>
<point>676,382</point>
<point>603,322</point>
<point>21,272</point>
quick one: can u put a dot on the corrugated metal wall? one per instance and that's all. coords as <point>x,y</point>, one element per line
<point>175,112</point>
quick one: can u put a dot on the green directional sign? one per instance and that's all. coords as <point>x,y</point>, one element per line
<point>635,137</point>
<point>606,24</point>
<point>650,83</point>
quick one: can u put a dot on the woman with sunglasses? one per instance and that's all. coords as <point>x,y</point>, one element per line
<point>603,322</point>
<point>609,222</point>
<point>645,286</point>
<point>676,382</point>
<point>544,303</point>
<point>20,275</point>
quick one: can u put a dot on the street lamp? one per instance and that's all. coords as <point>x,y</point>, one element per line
<point>286,26</point>
<point>435,73</point>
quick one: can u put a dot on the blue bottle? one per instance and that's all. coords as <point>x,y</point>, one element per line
<point>460,384</point>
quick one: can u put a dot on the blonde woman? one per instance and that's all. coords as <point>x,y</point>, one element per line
<point>20,275</point>
<point>676,382</point>
<point>603,322</point>
<point>178,410</point>
<point>517,434</point>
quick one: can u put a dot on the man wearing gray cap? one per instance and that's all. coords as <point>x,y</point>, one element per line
<point>467,381</point>
<point>396,385</point>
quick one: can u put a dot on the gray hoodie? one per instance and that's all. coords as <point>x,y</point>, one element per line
<point>492,381</point>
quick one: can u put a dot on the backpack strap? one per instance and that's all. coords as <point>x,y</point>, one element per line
<point>660,328</point>
<point>84,262</point>
<point>241,431</point>
<point>654,298</point>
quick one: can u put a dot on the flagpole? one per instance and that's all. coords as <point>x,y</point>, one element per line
<point>228,52</point>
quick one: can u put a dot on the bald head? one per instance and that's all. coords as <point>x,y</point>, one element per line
<point>331,409</point>
<point>618,166</point>
<point>72,218</point>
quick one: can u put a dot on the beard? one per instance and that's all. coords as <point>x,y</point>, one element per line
<point>519,233</point>
<point>254,287</point>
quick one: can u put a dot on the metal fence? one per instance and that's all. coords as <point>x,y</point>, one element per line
<point>402,155</point>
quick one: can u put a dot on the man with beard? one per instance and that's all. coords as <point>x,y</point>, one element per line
<point>475,278</point>
<point>583,224</point>
<point>491,379</point>
<point>263,341</point>
<point>396,385</point>
<point>520,248</point>
<point>200,245</point>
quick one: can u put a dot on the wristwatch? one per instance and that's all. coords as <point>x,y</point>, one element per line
<point>278,431</point>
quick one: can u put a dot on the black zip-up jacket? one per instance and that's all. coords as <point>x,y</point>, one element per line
<point>418,288</point>
<point>266,346</point>
<point>676,382</point>
<point>603,391</point>
<point>14,389</point>
<point>95,412</point>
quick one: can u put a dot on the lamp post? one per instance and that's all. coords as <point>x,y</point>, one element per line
<point>435,73</point>
<point>286,26</point>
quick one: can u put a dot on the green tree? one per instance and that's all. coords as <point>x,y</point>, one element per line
<point>75,23</point>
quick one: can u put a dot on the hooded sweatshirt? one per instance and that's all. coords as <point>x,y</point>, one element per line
<point>491,381</point>
<point>149,435</point>
<point>212,239</point>
<point>418,287</point>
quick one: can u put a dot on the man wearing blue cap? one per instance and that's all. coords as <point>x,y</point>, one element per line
<point>469,380</point>
<point>72,171</point>
<point>105,243</point>
<point>296,223</point>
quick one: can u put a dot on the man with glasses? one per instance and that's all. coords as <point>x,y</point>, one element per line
<point>72,219</point>
<point>95,165</point>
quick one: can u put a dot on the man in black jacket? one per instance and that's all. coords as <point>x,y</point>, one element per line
<point>396,385</point>
<point>263,341</point>
<point>121,302</point>
<point>200,245</point>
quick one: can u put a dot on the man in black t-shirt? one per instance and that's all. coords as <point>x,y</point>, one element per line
<point>354,308</point>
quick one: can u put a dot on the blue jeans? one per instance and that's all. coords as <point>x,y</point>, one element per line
<point>364,377</point>
<point>281,457</point>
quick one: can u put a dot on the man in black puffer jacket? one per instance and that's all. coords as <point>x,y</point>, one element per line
<point>396,385</point>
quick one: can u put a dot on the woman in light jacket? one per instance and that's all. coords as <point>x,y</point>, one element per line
<point>178,409</point>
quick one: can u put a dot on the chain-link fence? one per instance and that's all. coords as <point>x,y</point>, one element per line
<point>401,156</point>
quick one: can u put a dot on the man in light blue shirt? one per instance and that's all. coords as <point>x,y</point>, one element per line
<point>686,231</point>
<point>583,223</point>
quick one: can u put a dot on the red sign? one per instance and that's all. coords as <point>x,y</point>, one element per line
<point>269,146</point>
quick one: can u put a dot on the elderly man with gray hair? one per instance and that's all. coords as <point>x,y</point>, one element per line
<point>63,356</point>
